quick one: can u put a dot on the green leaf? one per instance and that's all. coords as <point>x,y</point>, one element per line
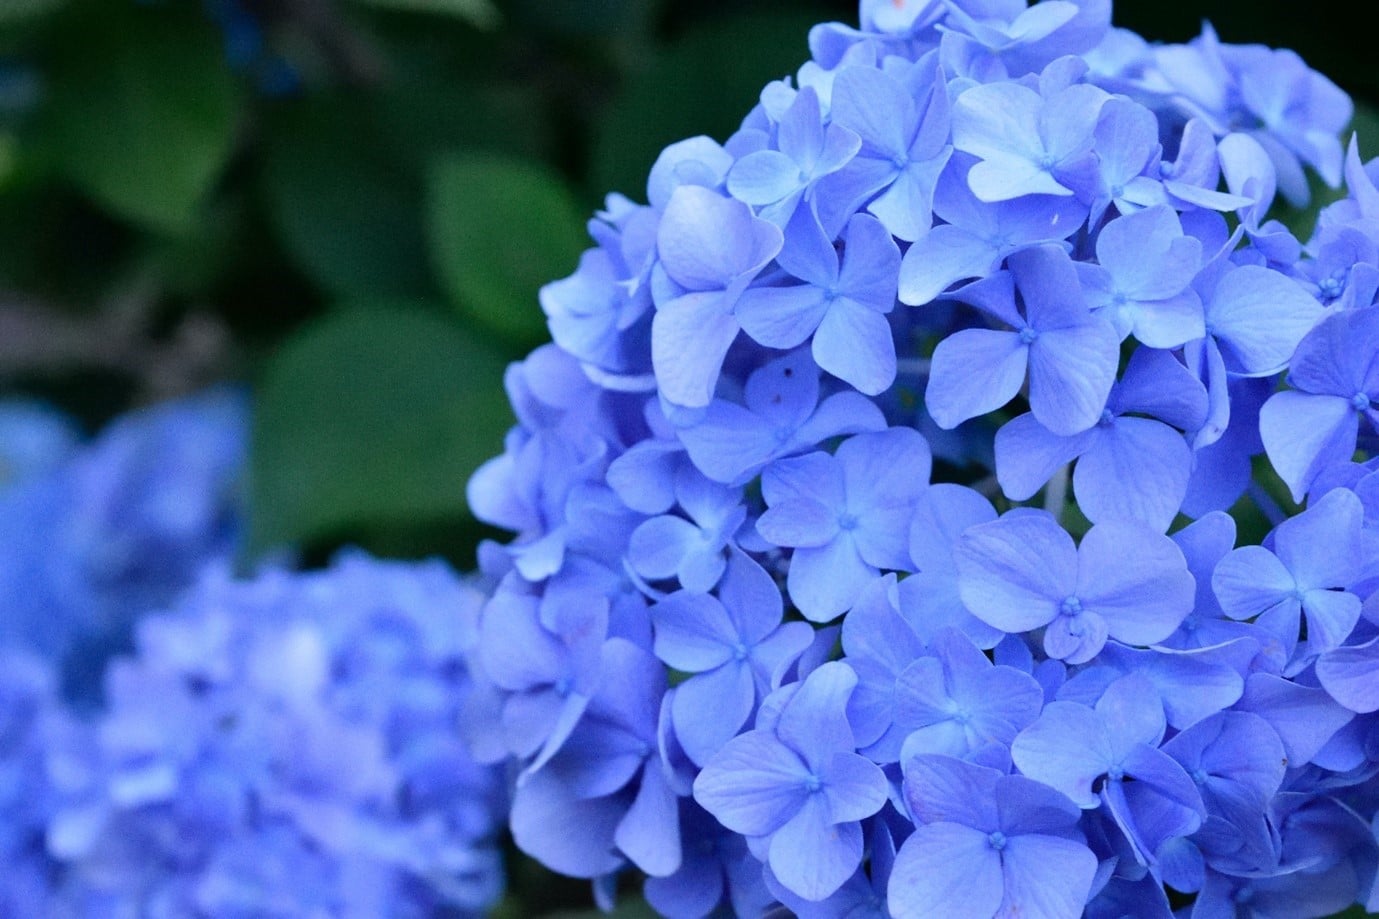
<point>703,84</point>
<point>479,13</point>
<point>16,10</point>
<point>499,229</point>
<point>345,209</point>
<point>141,112</point>
<point>585,17</point>
<point>374,414</point>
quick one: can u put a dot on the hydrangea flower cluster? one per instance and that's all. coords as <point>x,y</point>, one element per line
<point>32,719</point>
<point>872,552</point>
<point>282,746</point>
<point>94,535</point>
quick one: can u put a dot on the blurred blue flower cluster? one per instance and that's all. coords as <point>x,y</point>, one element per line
<point>285,745</point>
<point>94,535</point>
<point>872,552</point>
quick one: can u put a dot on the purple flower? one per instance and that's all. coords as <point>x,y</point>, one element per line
<point>847,515</point>
<point>736,647</point>
<point>710,249</point>
<point>800,785</point>
<point>988,844</point>
<point>1126,582</point>
<point>1069,354</point>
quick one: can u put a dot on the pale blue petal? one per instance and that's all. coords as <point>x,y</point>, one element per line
<point>693,632</point>
<point>1015,572</point>
<point>1137,470</point>
<point>1259,316</point>
<point>824,582</point>
<point>1351,676</point>
<point>1070,375</point>
<point>811,857</point>
<point>753,785</point>
<point>542,805</point>
<point>649,834</point>
<point>1250,580</point>
<point>781,317</point>
<point>1136,579</point>
<point>710,708</point>
<point>1028,454</point>
<point>1046,877</point>
<point>690,336</point>
<point>853,342</point>
<point>799,522</point>
<point>855,787</point>
<point>976,371</point>
<point>940,258</point>
<point>1304,433</point>
<point>945,871</point>
<point>658,546</point>
<point>764,177</point>
<point>1066,749</point>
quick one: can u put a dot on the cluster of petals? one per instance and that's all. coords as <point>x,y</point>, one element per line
<point>281,746</point>
<point>952,494</point>
<point>175,741</point>
<point>93,534</point>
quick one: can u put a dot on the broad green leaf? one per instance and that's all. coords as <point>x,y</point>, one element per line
<point>585,17</point>
<point>434,113</point>
<point>480,13</point>
<point>141,112</point>
<point>499,229</point>
<point>371,415</point>
<point>348,213</point>
<point>703,84</point>
<point>16,10</point>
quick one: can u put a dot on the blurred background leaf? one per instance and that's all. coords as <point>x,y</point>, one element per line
<point>376,414</point>
<point>703,83</point>
<point>15,10</point>
<point>499,229</point>
<point>347,212</point>
<point>479,13</point>
<point>141,112</point>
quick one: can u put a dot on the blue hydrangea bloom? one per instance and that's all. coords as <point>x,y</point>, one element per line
<point>1068,353</point>
<point>1335,386</point>
<point>1124,581</point>
<point>32,722</point>
<point>212,784</point>
<point>988,844</point>
<point>735,645</point>
<point>1305,574</point>
<point>121,526</point>
<point>1108,757</point>
<point>1134,464</point>
<point>777,629</point>
<point>847,515</point>
<point>842,304</point>
<point>801,785</point>
<point>34,438</point>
